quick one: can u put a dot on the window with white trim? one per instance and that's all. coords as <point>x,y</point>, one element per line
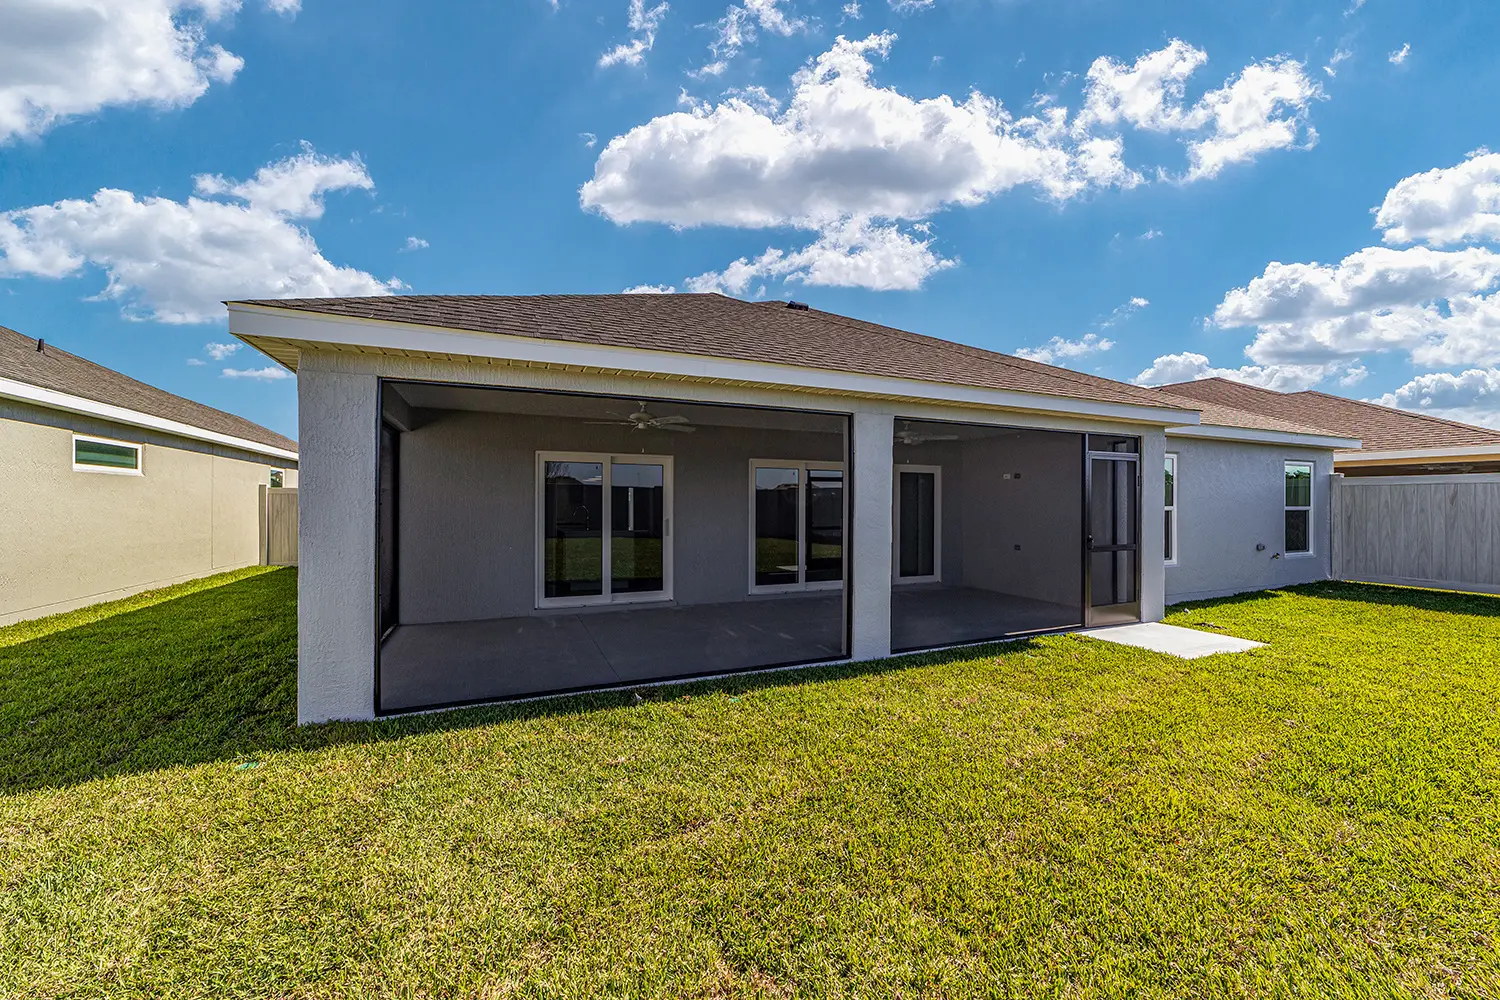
<point>796,525</point>
<point>1170,524</point>
<point>278,479</point>
<point>91,454</point>
<point>1299,503</point>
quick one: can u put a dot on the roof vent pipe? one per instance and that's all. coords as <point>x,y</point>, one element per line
<point>802,306</point>
<point>40,343</point>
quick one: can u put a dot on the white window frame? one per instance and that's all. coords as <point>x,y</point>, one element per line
<point>271,479</point>
<point>607,460</point>
<point>1175,462</point>
<point>140,456</point>
<point>802,468</point>
<point>1312,493</point>
<point>937,525</point>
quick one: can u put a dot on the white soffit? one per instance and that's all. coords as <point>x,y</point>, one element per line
<point>1218,432</point>
<point>255,323</point>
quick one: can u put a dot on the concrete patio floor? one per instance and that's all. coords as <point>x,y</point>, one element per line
<point>445,663</point>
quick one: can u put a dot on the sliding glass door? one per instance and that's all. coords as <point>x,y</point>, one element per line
<point>797,512</point>
<point>604,529</point>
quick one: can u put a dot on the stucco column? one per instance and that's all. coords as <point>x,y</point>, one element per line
<point>339,442</point>
<point>1153,526</point>
<point>871,562</point>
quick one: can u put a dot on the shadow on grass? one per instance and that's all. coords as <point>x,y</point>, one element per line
<point>211,676</point>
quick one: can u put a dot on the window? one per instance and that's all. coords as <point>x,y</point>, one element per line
<point>1171,510</point>
<point>1299,499</point>
<point>604,528</point>
<point>918,524</point>
<point>104,455</point>
<point>278,478</point>
<point>796,525</point>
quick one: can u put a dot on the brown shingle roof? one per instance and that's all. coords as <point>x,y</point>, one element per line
<point>1381,428</point>
<point>718,326</point>
<point>1219,415</point>
<point>56,369</point>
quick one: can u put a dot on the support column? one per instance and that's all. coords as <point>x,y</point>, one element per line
<point>339,450</point>
<point>871,562</point>
<point>1153,527</point>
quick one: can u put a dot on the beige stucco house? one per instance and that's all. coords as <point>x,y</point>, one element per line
<point>111,486</point>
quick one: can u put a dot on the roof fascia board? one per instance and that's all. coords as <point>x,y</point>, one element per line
<point>1254,435</point>
<point>1462,479</point>
<point>1420,454</point>
<point>248,322</point>
<point>54,400</point>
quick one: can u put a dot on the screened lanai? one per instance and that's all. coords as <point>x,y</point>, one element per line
<point>537,542</point>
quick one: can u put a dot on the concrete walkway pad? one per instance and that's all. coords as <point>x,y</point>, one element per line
<point>1184,642</point>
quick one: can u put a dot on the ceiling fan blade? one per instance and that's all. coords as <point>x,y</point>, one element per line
<point>676,428</point>
<point>611,423</point>
<point>675,418</point>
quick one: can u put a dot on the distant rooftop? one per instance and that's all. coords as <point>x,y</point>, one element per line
<point>56,369</point>
<point>1381,428</point>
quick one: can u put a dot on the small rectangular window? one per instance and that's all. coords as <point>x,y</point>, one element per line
<point>103,455</point>
<point>1171,510</point>
<point>278,478</point>
<point>1299,502</point>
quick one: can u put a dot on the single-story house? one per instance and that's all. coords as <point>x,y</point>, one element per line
<point>512,496</point>
<point>1394,442</point>
<point>111,486</point>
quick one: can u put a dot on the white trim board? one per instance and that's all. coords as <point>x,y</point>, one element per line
<point>251,322</point>
<point>1429,454</point>
<point>53,400</point>
<point>1223,433</point>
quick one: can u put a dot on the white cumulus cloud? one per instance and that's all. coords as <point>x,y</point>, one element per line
<point>650,290</point>
<point>1446,205</point>
<point>1262,108</point>
<point>1189,367</point>
<point>1060,350</point>
<point>270,373</point>
<point>1471,396</point>
<point>1399,56</point>
<point>842,148</point>
<point>739,27</point>
<point>643,26</point>
<point>853,254</point>
<point>64,58</point>
<point>174,261</point>
<point>220,351</point>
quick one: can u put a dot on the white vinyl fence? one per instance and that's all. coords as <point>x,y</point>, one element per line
<point>1423,531</point>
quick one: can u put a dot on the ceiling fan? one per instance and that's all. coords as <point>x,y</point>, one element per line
<point>642,420</point>
<point>908,436</point>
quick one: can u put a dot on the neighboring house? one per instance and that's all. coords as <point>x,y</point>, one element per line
<point>1394,442</point>
<point>111,486</point>
<point>513,496</point>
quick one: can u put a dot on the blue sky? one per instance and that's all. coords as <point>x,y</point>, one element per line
<point>1296,194</point>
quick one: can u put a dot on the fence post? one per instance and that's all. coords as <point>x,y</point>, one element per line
<point>265,532</point>
<point>1336,529</point>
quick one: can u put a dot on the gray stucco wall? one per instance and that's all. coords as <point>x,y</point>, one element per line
<point>69,539</point>
<point>987,516</point>
<point>1231,497</point>
<point>467,507</point>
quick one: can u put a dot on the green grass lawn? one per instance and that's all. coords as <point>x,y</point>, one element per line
<point>1058,817</point>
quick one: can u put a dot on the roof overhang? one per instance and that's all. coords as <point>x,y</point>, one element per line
<point>54,400</point>
<point>1421,456</point>
<point>282,334</point>
<point>1219,432</point>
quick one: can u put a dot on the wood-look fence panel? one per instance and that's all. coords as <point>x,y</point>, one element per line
<point>278,530</point>
<point>1428,531</point>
